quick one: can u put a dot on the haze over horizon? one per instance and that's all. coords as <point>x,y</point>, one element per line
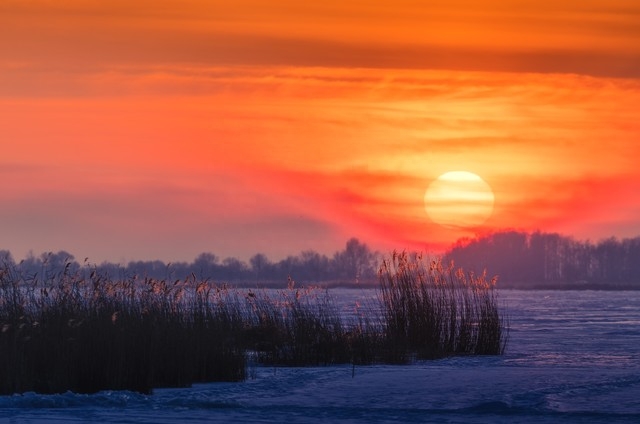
<point>161,130</point>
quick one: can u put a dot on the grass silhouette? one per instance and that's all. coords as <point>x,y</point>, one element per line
<point>432,311</point>
<point>85,332</point>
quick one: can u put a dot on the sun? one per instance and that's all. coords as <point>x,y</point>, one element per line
<point>459,200</point>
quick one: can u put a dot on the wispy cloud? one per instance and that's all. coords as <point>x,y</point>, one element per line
<point>596,37</point>
<point>335,115</point>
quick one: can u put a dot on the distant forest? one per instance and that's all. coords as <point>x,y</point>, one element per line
<point>550,260</point>
<point>356,264</point>
<point>519,259</point>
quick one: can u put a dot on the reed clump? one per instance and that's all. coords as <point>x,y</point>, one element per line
<point>79,330</point>
<point>86,334</point>
<point>300,327</point>
<point>303,327</point>
<point>433,311</point>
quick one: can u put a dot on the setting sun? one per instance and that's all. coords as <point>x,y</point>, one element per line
<point>459,199</point>
<point>131,131</point>
<point>204,191</point>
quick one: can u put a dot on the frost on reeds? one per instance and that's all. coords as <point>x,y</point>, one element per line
<point>434,311</point>
<point>79,330</point>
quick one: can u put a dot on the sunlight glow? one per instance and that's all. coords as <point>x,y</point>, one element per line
<point>459,199</point>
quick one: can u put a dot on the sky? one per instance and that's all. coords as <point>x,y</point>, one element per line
<point>162,129</point>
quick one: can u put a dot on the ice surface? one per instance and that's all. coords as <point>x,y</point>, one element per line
<point>572,357</point>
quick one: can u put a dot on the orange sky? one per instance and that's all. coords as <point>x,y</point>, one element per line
<point>162,129</point>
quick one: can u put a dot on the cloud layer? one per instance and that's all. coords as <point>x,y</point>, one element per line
<point>164,129</point>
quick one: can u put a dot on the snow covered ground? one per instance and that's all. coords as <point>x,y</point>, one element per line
<point>573,356</point>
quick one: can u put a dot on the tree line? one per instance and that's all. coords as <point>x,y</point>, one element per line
<point>355,264</point>
<point>550,260</point>
<point>519,259</point>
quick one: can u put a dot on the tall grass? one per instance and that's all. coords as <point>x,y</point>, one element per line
<point>300,327</point>
<point>67,332</point>
<point>433,311</point>
<point>86,332</point>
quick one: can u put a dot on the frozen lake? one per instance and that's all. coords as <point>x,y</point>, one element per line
<point>573,356</point>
